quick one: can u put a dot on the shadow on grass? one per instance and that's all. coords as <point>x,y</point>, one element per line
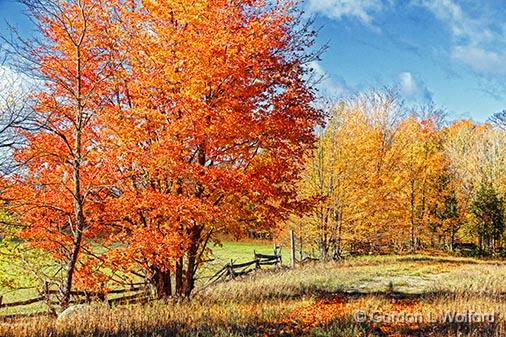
<point>349,328</point>
<point>397,295</point>
<point>452,329</point>
<point>437,259</point>
<point>341,327</point>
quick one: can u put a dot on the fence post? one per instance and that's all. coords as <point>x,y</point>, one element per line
<point>51,310</point>
<point>301,250</point>
<point>107,300</point>
<point>292,248</point>
<point>256,259</point>
<point>231,268</point>
<point>280,257</point>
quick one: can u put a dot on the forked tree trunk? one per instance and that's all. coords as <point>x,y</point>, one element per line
<point>412,215</point>
<point>190,274</point>
<point>452,239</point>
<point>79,225</point>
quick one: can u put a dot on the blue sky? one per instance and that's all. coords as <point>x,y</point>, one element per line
<point>447,51</point>
<point>12,13</point>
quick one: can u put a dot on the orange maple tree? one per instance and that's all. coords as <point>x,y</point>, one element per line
<point>158,125</point>
<point>59,192</point>
<point>212,117</point>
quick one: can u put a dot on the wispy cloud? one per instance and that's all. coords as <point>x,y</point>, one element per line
<point>14,83</point>
<point>413,89</point>
<point>481,60</point>
<point>362,10</point>
<point>478,40</point>
<point>472,45</point>
<point>476,36</point>
<point>463,27</point>
<point>330,87</point>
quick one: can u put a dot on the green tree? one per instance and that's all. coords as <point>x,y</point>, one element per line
<point>487,210</point>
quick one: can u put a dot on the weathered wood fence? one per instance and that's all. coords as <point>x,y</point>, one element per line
<point>135,292</point>
<point>233,270</point>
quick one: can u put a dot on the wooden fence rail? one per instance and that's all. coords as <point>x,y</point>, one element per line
<point>21,303</point>
<point>138,291</point>
<point>136,294</point>
<point>233,270</point>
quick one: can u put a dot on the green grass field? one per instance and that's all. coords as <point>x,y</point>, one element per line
<point>222,254</point>
<point>238,252</point>
<point>243,251</point>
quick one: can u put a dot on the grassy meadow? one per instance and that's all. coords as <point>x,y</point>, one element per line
<point>312,300</point>
<point>237,251</point>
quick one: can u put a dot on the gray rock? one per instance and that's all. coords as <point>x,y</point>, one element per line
<point>75,312</point>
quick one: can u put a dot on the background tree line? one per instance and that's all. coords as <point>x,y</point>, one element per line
<point>387,178</point>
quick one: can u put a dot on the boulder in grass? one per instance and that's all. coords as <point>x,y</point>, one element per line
<point>75,312</point>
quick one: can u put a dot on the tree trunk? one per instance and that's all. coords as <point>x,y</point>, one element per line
<point>78,200</point>
<point>190,273</point>
<point>412,217</point>
<point>339,235</point>
<point>452,243</point>
<point>191,268</point>
<point>79,224</point>
<point>70,269</point>
<point>162,283</point>
<point>179,276</point>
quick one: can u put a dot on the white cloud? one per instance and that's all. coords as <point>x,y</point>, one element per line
<point>14,91</point>
<point>337,9</point>
<point>413,89</point>
<point>7,81</point>
<point>481,60</point>
<point>332,88</point>
<point>407,83</point>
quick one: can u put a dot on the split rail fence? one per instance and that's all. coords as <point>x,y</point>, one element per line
<point>233,270</point>
<point>134,293</point>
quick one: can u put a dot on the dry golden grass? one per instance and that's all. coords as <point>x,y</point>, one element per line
<point>314,300</point>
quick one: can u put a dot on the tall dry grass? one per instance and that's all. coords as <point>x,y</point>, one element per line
<point>314,300</point>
